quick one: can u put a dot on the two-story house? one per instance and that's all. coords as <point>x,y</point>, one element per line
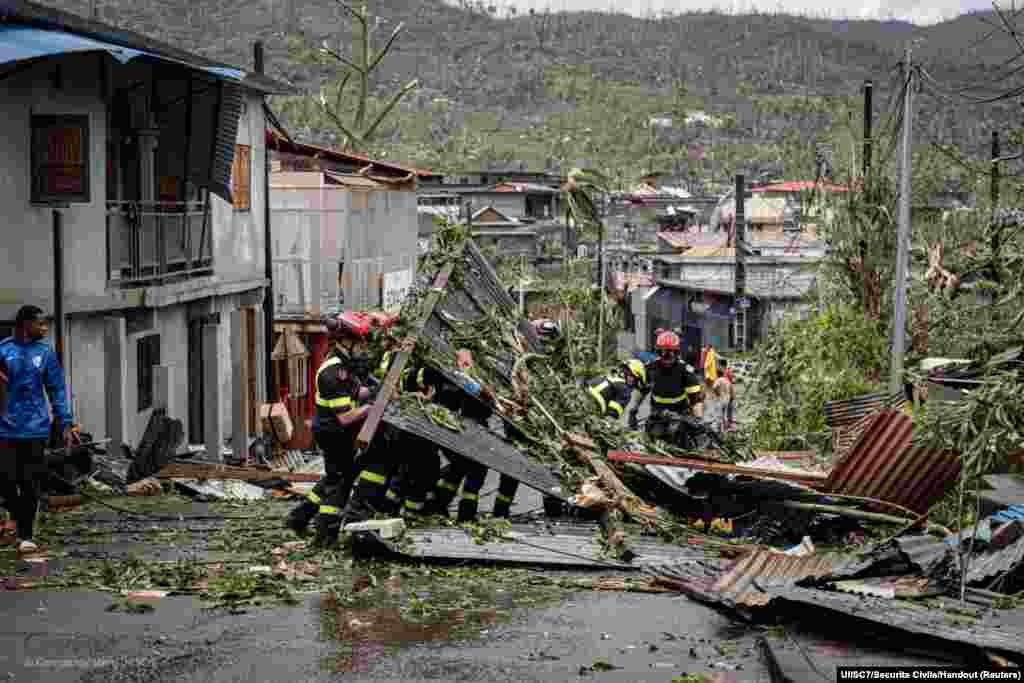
<point>133,190</point>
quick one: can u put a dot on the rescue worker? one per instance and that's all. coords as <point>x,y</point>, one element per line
<point>612,393</point>
<point>672,387</point>
<point>471,475</point>
<point>420,465</point>
<point>341,407</point>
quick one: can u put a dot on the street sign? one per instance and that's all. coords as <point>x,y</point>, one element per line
<point>743,302</point>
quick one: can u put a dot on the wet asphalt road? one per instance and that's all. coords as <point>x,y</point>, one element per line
<point>69,636</point>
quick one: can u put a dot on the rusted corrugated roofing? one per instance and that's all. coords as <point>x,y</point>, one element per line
<point>884,465</point>
<point>890,587</point>
<point>848,411</point>
<point>745,581</point>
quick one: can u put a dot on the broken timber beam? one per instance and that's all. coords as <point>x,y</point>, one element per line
<point>180,470</point>
<point>625,500</point>
<point>391,381</point>
<point>806,478</point>
<point>860,515</point>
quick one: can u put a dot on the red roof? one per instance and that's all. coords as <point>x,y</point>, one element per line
<point>277,142</point>
<point>800,186</point>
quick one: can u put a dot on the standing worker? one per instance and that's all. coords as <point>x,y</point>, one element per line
<point>340,409</point>
<point>710,365</point>
<point>35,378</point>
<point>672,387</point>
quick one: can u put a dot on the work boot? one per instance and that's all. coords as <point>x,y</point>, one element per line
<point>328,528</point>
<point>300,517</point>
<point>356,511</point>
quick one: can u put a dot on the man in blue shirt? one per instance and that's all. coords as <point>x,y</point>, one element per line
<point>35,381</point>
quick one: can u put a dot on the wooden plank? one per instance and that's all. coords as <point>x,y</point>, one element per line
<point>195,470</point>
<point>806,478</point>
<point>391,382</point>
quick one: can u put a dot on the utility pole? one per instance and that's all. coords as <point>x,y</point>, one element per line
<point>600,276</point>
<point>268,252</point>
<point>740,284</point>
<point>994,192</point>
<point>902,232</point>
<point>868,88</point>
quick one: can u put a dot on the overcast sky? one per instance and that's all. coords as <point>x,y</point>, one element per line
<point>917,11</point>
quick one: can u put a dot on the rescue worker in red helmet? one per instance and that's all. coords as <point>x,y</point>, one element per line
<point>672,386</point>
<point>341,406</point>
<point>613,392</point>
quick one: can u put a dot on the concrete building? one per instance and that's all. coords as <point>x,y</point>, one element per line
<point>131,181</point>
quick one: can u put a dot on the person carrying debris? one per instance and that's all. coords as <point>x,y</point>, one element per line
<point>612,393</point>
<point>673,388</point>
<point>340,409</point>
<point>36,382</point>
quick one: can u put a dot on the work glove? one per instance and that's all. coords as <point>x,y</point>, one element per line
<point>472,386</point>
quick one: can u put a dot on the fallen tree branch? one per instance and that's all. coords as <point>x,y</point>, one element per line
<point>855,514</point>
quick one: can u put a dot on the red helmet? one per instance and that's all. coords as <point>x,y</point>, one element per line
<point>667,341</point>
<point>350,324</point>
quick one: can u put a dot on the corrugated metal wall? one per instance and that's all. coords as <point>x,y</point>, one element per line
<point>332,247</point>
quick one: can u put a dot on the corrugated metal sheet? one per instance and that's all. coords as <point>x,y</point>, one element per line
<point>883,464</point>
<point>560,544</point>
<point>924,551</point>
<point>989,634</point>
<point>745,581</point>
<point>476,443</point>
<point>799,476</point>
<point>889,587</point>
<point>848,411</point>
<point>985,565</point>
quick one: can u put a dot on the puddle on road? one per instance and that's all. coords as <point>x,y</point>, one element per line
<point>391,607</point>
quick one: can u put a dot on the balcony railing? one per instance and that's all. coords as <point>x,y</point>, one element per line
<point>150,243</point>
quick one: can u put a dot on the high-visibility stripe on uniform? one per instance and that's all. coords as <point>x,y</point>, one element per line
<point>669,400</point>
<point>391,495</point>
<point>445,484</point>
<point>335,403</point>
<point>328,510</point>
<point>373,477</point>
<point>470,496</point>
<point>412,505</point>
<point>503,499</point>
<point>694,389</point>
<point>595,391</point>
<point>313,498</point>
<point>617,407</point>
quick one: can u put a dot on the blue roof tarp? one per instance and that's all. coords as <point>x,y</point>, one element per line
<point>20,43</point>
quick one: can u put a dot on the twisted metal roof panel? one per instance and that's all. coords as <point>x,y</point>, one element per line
<point>885,465</point>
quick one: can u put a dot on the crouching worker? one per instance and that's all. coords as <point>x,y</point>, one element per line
<point>341,396</point>
<point>612,393</point>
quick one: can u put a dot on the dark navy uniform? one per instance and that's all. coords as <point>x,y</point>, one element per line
<point>337,391</point>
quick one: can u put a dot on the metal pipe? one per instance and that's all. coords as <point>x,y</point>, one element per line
<point>58,284</point>
<point>268,251</point>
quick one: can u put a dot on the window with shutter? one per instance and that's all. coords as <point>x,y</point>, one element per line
<point>60,159</point>
<point>241,178</point>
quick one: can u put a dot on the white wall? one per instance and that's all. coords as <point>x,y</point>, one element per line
<point>26,264</point>
<point>86,373</point>
<point>238,235</point>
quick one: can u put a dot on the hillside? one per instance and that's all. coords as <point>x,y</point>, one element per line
<point>547,88</point>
